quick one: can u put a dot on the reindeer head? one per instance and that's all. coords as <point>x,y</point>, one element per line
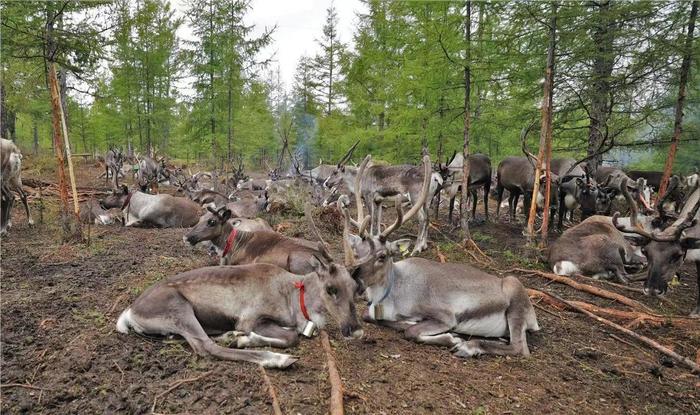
<point>116,199</point>
<point>665,250</point>
<point>209,227</point>
<point>339,287</point>
<point>370,256</point>
<point>336,177</point>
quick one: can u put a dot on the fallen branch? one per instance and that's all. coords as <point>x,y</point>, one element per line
<point>177,385</point>
<point>599,292</point>
<point>635,317</point>
<point>694,367</point>
<point>336,405</point>
<point>276,409</point>
<point>614,284</point>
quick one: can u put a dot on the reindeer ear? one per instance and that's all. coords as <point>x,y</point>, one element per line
<point>226,214</point>
<point>399,246</point>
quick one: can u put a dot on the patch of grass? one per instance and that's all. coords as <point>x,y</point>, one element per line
<point>480,411</point>
<point>92,317</point>
<point>173,348</point>
<point>480,237</point>
<point>147,282</point>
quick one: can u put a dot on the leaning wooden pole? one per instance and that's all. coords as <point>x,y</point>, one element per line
<point>545,131</point>
<point>682,91</point>
<point>60,138</point>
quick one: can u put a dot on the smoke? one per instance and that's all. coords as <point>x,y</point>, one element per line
<point>307,131</point>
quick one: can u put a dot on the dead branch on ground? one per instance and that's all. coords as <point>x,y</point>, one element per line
<point>276,409</point>
<point>336,405</point>
<point>177,385</point>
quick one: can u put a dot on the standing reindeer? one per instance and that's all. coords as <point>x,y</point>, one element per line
<point>113,166</point>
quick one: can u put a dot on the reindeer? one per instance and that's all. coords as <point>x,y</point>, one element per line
<point>262,304</point>
<point>593,247</point>
<point>667,249</point>
<point>612,178</point>
<point>11,181</point>
<point>479,176</point>
<point>113,166</point>
<point>517,175</point>
<point>147,176</point>
<point>435,303</point>
<point>142,209</point>
<point>92,212</point>
<point>576,188</point>
<point>375,184</point>
<point>236,246</point>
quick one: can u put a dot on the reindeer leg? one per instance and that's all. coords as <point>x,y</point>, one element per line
<point>487,190</point>
<point>472,193</point>
<point>422,238</point>
<point>23,197</point>
<point>499,199</point>
<point>432,332</point>
<point>269,334</point>
<point>520,317</point>
<point>451,210</point>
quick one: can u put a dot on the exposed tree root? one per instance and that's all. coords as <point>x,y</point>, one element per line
<point>336,405</point>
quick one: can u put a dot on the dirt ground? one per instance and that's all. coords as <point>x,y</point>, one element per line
<point>61,353</point>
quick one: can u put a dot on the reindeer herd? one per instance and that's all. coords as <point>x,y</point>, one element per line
<point>270,289</point>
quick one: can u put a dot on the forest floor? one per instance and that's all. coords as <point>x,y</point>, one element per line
<point>62,354</point>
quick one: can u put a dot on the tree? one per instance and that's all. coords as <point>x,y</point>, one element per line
<point>326,65</point>
<point>678,120</point>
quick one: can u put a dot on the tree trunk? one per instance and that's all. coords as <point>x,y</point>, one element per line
<point>600,86</point>
<point>212,120</point>
<point>545,137</point>
<point>678,122</point>
<point>467,121</point>
<point>35,136</point>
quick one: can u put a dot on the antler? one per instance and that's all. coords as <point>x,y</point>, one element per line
<point>347,155</point>
<point>523,142</point>
<point>399,218</point>
<point>636,227</point>
<point>418,204</point>
<point>358,188</point>
<point>314,229</point>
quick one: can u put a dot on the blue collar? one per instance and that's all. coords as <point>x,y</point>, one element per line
<point>387,290</point>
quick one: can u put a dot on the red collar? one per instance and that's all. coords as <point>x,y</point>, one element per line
<point>128,200</point>
<point>229,242</point>
<point>300,285</point>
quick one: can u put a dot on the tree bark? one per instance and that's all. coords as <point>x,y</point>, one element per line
<point>600,90</point>
<point>545,134</point>
<point>678,122</point>
<point>35,136</point>
<point>467,122</point>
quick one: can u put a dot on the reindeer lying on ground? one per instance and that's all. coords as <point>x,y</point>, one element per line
<point>11,181</point>
<point>142,209</point>
<point>262,304</point>
<point>667,249</point>
<point>92,212</point>
<point>236,246</point>
<point>435,303</point>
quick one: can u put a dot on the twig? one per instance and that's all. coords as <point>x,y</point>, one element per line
<point>336,405</point>
<point>597,291</point>
<point>694,367</point>
<point>177,385</point>
<point>539,307</point>
<point>20,385</point>
<point>614,284</point>
<point>120,370</point>
<point>276,409</point>
<point>621,340</point>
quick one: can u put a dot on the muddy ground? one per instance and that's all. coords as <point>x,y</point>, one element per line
<point>60,302</point>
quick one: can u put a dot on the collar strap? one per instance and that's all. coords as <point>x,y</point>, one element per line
<point>300,286</point>
<point>128,200</point>
<point>387,290</point>
<point>229,242</point>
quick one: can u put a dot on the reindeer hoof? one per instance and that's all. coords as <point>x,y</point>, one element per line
<point>466,349</point>
<point>279,361</point>
<point>31,223</point>
<point>695,313</point>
